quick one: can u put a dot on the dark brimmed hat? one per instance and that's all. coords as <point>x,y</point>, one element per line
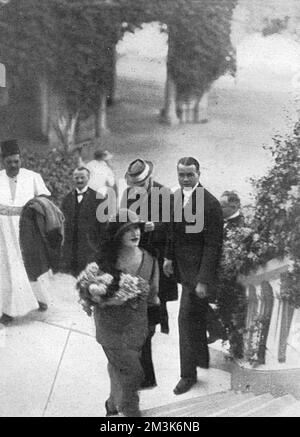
<point>138,171</point>
<point>9,147</point>
<point>121,222</point>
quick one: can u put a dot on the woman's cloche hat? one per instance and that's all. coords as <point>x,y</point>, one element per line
<point>121,222</point>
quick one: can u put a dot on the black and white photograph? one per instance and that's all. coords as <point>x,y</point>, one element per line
<point>149,210</point>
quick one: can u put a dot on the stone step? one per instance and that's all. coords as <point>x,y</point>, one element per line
<point>271,408</point>
<point>244,406</point>
<point>216,405</point>
<point>164,409</point>
<point>290,411</point>
<point>204,405</point>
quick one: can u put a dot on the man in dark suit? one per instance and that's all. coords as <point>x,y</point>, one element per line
<point>150,194</point>
<point>233,219</point>
<point>195,257</point>
<point>231,295</point>
<point>81,227</point>
<point>231,207</point>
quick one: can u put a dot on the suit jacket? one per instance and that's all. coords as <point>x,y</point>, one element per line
<point>155,242</point>
<point>233,223</point>
<point>82,238</point>
<point>196,255</point>
<point>41,236</point>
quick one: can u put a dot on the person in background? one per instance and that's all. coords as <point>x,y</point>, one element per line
<point>231,300</point>
<point>195,256</point>
<point>81,227</point>
<point>231,207</point>
<point>153,239</point>
<point>233,218</point>
<point>17,186</point>
<point>101,173</point>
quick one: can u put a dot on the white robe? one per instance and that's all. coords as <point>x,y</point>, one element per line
<point>16,294</point>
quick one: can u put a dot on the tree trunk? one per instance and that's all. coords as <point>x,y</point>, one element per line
<point>169,113</point>
<point>44,102</point>
<point>113,78</point>
<point>2,75</point>
<point>71,131</point>
<point>201,109</point>
<point>101,116</point>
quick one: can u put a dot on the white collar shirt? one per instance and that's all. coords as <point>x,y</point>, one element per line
<point>80,194</point>
<point>187,194</point>
<point>234,215</point>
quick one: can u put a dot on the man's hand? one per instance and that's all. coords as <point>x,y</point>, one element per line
<point>149,227</point>
<point>168,268</point>
<point>201,290</point>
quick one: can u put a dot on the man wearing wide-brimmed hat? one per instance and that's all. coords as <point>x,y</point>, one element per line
<point>17,186</point>
<point>142,188</point>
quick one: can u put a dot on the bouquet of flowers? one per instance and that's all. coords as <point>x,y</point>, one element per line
<point>95,288</point>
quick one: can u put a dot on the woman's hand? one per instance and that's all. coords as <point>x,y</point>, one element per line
<point>201,290</point>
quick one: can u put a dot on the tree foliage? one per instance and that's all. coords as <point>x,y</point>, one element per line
<point>71,42</point>
<point>200,46</point>
<point>67,41</point>
<point>271,230</point>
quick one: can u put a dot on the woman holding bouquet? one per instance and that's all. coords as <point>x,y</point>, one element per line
<point>125,286</point>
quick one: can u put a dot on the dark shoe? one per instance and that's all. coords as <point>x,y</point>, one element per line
<point>6,319</point>
<point>184,385</point>
<point>148,384</point>
<point>110,412</point>
<point>43,306</point>
<point>203,364</point>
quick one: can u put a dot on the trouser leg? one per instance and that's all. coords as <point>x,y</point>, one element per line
<point>146,358</point>
<point>164,317</point>
<point>192,333</point>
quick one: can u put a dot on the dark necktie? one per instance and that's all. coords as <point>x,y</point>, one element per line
<point>79,196</point>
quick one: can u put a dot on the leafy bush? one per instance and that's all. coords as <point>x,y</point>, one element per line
<point>272,230</point>
<point>276,222</point>
<point>56,168</point>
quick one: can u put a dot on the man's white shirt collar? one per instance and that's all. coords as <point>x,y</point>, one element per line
<point>82,191</point>
<point>234,215</point>
<point>187,194</point>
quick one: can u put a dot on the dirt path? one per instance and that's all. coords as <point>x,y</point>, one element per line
<point>229,147</point>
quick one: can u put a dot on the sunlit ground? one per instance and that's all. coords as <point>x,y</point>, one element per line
<point>245,112</point>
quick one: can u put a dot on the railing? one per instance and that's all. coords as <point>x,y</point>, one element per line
<point>272,325</point>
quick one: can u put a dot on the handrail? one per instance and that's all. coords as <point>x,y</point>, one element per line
<point>270,319</point>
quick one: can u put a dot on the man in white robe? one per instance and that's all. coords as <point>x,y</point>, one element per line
<point>17,186</point>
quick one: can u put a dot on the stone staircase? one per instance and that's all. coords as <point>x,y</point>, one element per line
<point>230,404</point>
